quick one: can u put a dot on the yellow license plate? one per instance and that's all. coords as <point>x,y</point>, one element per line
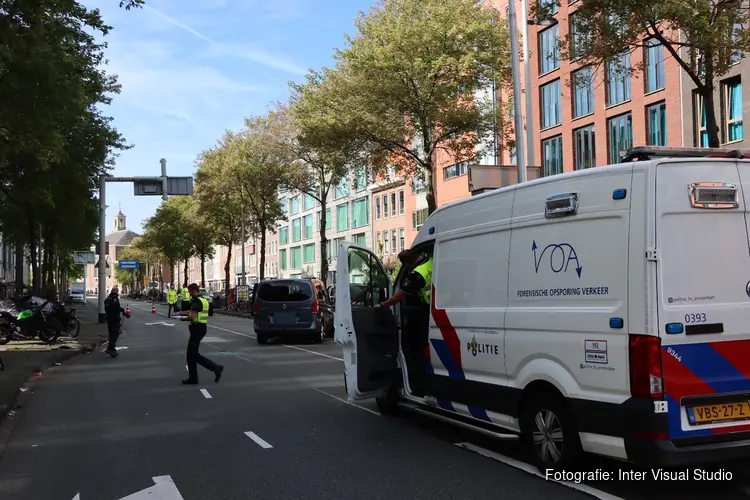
<point>713,414</point>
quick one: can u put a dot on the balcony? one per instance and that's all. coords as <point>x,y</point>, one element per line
<point>484,178</point>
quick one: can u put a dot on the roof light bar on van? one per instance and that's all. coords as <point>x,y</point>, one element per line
<point>714,195</point>
<point>644,153</point>
<point>560,205</point>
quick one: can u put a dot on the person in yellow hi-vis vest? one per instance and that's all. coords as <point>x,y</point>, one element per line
<point>417,282</point>
<point>198,317</point>
<point>171,300</point>
<point>185,293</point>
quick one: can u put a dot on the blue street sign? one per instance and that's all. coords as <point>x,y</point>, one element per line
<point>128,264</point>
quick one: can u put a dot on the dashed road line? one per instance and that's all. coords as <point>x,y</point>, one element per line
<point>206,394</point>
<point>346,402</point>
<point>258,440</point>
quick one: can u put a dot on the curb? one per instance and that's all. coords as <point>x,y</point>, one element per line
<point>23,393</point>
<point>232,313</point>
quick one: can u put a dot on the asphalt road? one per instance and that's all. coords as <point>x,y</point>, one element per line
<point>276,427</point>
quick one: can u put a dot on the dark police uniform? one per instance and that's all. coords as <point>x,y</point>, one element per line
<point>198,329</point>
<point>417,283</point>
<point>113,309</point>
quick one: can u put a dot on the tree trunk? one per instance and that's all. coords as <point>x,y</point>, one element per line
<point>712,127</point>
<point>33,252</point>
<point>262,270</point>
<point>203,269</point>
<point>185,269</point>
<point>323,241</point>
<point>227,266</point>
<point>429,186</point>
<point>19,248</point>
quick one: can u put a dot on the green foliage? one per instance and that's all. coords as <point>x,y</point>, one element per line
<point>167,229</point>
<point>408,82</point>
<point>702,36</point>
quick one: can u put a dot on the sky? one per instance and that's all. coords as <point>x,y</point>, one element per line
<point>191,69</point>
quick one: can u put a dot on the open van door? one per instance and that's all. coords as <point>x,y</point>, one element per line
<point>367,333</point>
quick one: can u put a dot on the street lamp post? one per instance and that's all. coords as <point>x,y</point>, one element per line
<point>514,56</point>
<point>527,85</point>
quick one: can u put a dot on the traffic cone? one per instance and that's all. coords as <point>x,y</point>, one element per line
<point>127,309</point>
<point>153,308</point>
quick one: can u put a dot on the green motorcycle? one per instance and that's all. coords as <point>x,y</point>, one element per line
<point>27,324</point>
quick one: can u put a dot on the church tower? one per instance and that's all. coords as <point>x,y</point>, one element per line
<point>120,220</point>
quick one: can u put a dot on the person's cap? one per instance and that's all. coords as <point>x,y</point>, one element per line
<point>194,286</point>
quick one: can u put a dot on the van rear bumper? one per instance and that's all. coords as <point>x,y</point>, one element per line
<point>690,451</point>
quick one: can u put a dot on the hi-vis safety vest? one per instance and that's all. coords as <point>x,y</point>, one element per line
<point>171,296</point>
<point>425,271</point>
<point>202,317</point>
<point>185,294</point>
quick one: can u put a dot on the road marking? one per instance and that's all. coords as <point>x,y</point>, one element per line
<point>602,495</point>
<point>206,394</point>
<point>258,440</point>
<point>160,323</point>
<point>187,369</point>
<point>345,401</point>
<point>163,489</point>
<point>77,497</point>
<point>313,352</point>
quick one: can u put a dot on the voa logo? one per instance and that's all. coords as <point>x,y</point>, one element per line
<point>476,348</point>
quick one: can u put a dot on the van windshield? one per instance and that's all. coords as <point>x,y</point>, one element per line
<point>76,287</point>
<point>285,291</point>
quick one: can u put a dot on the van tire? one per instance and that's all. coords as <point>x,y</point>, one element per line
<point>552,413</point>
<point>262,339</point>
<point>319,334</point>
<point>388,402</point>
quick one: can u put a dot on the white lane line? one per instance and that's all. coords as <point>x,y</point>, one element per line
<point>345,401</point>
<point>602,495</point>
<point>187,369</point>
<point>260,442</point>
<point>206,394</point>
<point>253,336</point>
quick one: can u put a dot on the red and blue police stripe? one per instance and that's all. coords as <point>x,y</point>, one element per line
<point>703,369</point>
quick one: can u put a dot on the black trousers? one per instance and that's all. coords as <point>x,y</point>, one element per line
<point>194,357</point>
<point>415,340</point>
<point>171,308</point>
<point>114,332</point>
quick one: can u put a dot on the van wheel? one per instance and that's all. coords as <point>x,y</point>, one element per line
<point>262,339</point>
<point>548,433</point>
<point>319,335</point>
<point>388,402</point>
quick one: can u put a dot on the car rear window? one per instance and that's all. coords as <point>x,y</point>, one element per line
<point>285,291</point>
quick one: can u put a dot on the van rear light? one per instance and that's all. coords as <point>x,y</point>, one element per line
<point>315,306</point>
<point>644,355</point>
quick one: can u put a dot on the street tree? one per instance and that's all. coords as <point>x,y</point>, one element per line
<point>705,38</point>
<point>167,229</point>
<point>259,165</point>
<point>201,233</point>
<point>219,198</point>
<point>412,81</point>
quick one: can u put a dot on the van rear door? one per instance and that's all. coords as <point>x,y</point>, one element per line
<point>703,275</point>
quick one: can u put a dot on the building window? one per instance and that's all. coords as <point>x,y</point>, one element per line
<point>583,93</point>
<point>296,257</point>
<point>377,248</point>
<point>699,113</point>
<point>360,239</point>
<point>512,155</point>
<point>377,208</point>
<point>393,204</point>
<point>654,65</point>
<point>329,254</point>
<point>284,207</point>
<point>360,179</point>
<point>579,36</point>
<point>282,259</point>
<point>342,189</point>
<point>296,233</point>
<point>656,132</point>
<point>584,148</point>
<point>329,222</point>
<point>733,110</point>
<point>308,202</point>
<point>737,30</point>
<point>393,241</point>
<point>552,156</point>
<point>294,202</point>
<point>618,79</point>
<point>359,212</point>
<point>456,170</point>
<point>402,240</point>
<point>620,131</point>
<point>385,206</point>
<point>308,219</point>
<point>308,253</point>
<point>385,243</point>
<point>342,217</point>
<point>401,202</point>
<point>551,104</point>
<point>549,6</point>
<point>418,217</point>
<point>417,185</point>
<point>549,50</point>
<point>284,235</point>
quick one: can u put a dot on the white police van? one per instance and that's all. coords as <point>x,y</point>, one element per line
<point>604,311</point>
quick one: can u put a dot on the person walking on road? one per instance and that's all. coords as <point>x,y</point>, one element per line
<point>171,300</point>
<point>186,301</point>
<point>113,310</point>
<point>198,317</point>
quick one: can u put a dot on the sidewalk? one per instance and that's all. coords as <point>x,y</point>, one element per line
<point>23,358</point>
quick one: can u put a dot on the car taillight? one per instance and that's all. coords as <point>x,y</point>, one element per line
<point>315,306</point>
<point>256,308</point>
<point>646,380</point>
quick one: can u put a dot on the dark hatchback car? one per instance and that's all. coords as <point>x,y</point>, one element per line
<point>295,308</point>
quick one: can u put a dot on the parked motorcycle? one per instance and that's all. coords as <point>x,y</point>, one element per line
<point>66,317</point>
<point>27,323</point>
